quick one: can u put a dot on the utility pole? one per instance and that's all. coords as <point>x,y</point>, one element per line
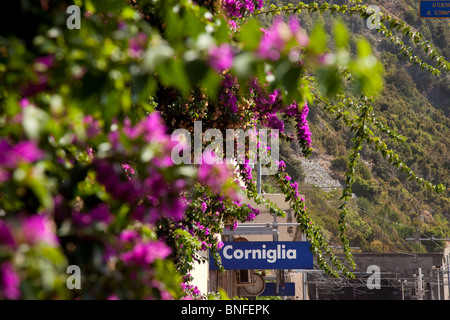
<point>258,177</point>
<point>275,239</point>
<point>403,282</point>
<point>437,268</point>
<point>305,277</point>
<point>448,275</point>
<point>419,277</point>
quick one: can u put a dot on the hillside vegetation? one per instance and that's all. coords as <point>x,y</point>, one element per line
<point>387,208</point>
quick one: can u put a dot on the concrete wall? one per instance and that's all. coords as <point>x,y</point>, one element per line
<point>393,268</point>
<point>446,272</point>
<point>200,273</point>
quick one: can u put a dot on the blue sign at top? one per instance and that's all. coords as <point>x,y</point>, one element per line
<point>265,255</point>
<point>435,9</point>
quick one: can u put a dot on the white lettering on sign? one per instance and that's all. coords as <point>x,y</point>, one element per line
<point>271,255</point>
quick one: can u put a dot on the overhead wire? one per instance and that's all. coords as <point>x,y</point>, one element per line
<point>369,213</point>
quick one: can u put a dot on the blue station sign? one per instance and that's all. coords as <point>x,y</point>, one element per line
<point>271,290</point>
<point>247,255</point>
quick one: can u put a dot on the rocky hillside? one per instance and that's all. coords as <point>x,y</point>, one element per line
<point>318,172</point>
<point>387,206</point>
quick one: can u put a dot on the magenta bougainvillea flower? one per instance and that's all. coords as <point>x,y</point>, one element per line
<point>303,131</point>
<point>265,102</point>
<point>214,175</point>
<point>39,228</point>
<point>114,181</point>
<point>136,45</point>
<point>276,39</point>
<point>151,129</point>
<point>9,282</point>
<point>44,61</point>
<point>273,122</point>
<point>128,236</point>
<point>253,213</point>
<point>93,128</point>
<point>221,57</point>
<point>237,8</point>
<point>6,238</point>
<point>23,151</point>
<point>100,213</point>
<point>145,253</point>
<point>229,91</point>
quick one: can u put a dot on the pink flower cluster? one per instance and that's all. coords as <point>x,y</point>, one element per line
<point>150,129</point>
<point>31,230</point>
<point>39,228</point>
<point>229,92</point>
<point>100,213</point>
<point>239,8</point>
<point>141,252</point>
<point>267,104</point>
<point>221,57</point>
<point>14,154</point>
<point>202,228</point>
<point>137,45</point>
<point>115,182</point>
<point>191,292</point>
<point>282,38</point>
<point>41,66</point>
<point>252,214</point>
<point>24,151</point>
<point>145,253</point>
<point>303,132</point>
<point>161,196</point>
<point>9,282</point>
<point>294,186</point>
<point>215,176</point>
<point>273,122</point>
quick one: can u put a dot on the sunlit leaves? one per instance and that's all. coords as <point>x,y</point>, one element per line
<point>367,70</point>
<point>318,40</point>
<point>341,36</point>
<point>250,35</point>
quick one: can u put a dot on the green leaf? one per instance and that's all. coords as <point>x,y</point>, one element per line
<point>211,83</point>
<point>172,73</point>
<point>250,34</point>
<point>288,77</point>
<point>364,48</point>
<point>340,35</point>
<point>330,82</point>
<point>196,71</point>
<point>143,87</point>
<point>318,40</point>
<point>222,32</point>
